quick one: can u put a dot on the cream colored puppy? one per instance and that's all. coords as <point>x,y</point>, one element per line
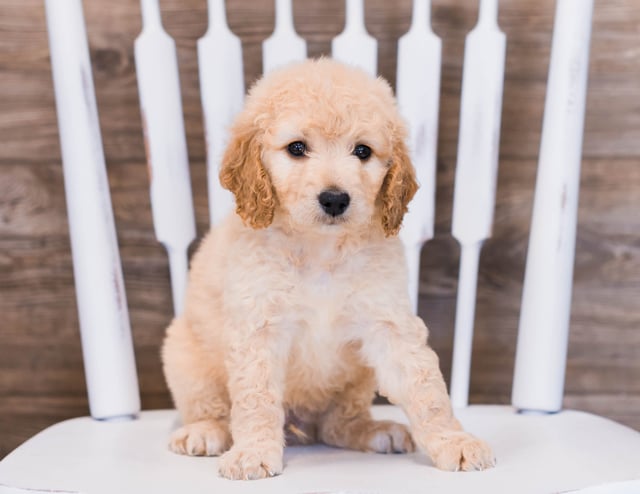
<point>297,309</point>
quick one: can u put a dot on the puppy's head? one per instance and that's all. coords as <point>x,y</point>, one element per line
<point>321,147</point>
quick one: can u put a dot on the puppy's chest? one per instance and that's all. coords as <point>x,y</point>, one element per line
<point>323,294</point>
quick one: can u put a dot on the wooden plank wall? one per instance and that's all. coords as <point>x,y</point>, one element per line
<point>41,375</point>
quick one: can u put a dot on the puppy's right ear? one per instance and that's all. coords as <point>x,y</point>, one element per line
<point>243,173</point>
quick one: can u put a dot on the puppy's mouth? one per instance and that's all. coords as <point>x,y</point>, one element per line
<point>326,219</point>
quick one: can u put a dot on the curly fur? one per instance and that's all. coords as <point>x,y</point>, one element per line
<point>244,175</point>
<point>398,188</point>
<point>293,317</point>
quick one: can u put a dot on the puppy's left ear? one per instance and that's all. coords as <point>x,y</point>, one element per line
<point>398,188</point>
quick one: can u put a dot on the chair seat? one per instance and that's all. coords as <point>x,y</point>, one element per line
<point>567,451</point>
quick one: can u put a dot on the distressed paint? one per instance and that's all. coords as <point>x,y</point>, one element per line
<point>165,144</point>
<point>476,175</point>
<point>418,93</point>
<point>222,94</point>
<point>543,332</point>
<point>105,331</point>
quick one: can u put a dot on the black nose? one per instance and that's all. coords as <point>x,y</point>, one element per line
<point>334,202</point>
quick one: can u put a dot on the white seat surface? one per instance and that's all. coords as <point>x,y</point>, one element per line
<point>564,452</point>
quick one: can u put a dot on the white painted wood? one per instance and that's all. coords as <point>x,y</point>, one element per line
<point>418,94</point>
<point>465,314</point>
<point>284,46</point>
<point>354,46</point>
<point>476,174</point>
<point>222,93</point>
<point>166,145</point>
<point>536,454</point>
<point>546,300</point>
<point>107,348</point>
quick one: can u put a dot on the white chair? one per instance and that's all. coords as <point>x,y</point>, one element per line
<point>540,448</point>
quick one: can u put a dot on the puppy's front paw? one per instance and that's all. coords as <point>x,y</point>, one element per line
<point>250,463</point>
<point>456,451</point>
<point>204,438</point>
<point>389,437</point>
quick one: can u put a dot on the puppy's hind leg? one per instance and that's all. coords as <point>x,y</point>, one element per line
<point>199,392</point>
<point>348,422</point>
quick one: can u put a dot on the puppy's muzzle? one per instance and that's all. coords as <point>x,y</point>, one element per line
<point>334,202</point>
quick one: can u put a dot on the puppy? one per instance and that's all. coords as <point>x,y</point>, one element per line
<point>297,309</point>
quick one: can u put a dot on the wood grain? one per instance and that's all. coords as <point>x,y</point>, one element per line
<point>41,374</point>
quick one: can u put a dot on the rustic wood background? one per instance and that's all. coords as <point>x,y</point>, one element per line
<point>41,374</point>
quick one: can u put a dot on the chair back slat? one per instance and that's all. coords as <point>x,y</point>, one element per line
<point>107,348</point>
<point>354,46</point>
<point>418,94</point>
<point>166,145</point>
<point>543,332</point>
<point>284,45</point>
<point>222,92</point>
<point>476,176</point>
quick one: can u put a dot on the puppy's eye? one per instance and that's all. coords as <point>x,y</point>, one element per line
<point>362,152</point>
<point>297,149</point>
